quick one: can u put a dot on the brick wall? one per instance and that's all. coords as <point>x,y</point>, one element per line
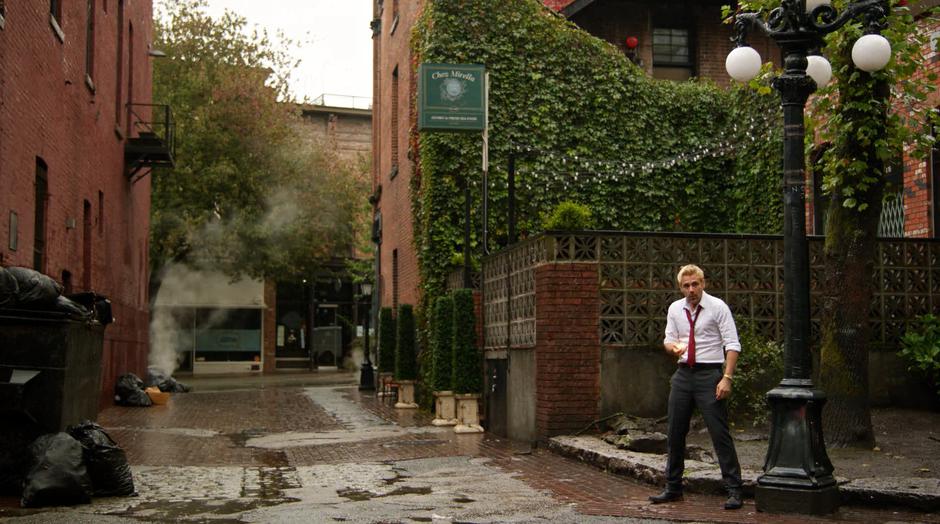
<point>711,39</point>
<point>393,49</point>
<point>567,347</point>
<point>918,174</point>
<point>49,111</point>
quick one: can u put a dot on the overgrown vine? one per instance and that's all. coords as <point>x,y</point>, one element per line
<point>643,154</point>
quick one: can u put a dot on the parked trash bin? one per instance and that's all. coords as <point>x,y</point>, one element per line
<point>50,366</point>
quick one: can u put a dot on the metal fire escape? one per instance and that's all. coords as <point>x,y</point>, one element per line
<point>152,140</point>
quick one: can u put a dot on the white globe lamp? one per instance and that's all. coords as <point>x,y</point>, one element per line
<point>813,4</point>
<point>819,69</point>
<point>743,63</point>
<point>871,53</point>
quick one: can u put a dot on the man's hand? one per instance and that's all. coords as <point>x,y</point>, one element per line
<point>723,389</point>
<point>677,349</point>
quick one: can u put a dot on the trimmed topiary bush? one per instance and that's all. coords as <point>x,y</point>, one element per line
<point>468,361</point>
<point>387,340</point>
<point>406,366</point>
<point>442,340</point>
<point>569,216</point>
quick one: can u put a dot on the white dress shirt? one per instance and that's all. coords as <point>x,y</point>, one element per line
<point>714,329</point>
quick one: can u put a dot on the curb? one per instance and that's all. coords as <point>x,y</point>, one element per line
<point>700,477</point>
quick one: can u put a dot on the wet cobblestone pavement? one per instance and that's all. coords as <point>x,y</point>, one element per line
<point>332,454</point>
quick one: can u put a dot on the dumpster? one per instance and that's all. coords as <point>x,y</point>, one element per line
<point>50,366</point>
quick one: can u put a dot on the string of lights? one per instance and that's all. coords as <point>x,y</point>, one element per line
<point>553,167</point>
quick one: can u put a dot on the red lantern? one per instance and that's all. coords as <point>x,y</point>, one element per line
<point>632,42</point>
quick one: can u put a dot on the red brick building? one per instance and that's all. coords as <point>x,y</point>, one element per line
<point>393,115</point>
<point>73,163</point>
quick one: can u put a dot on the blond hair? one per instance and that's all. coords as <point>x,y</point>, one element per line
<point>690,269</point>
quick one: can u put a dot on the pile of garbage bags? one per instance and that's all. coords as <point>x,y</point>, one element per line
<point>65,468</point>
<point>130,390</point>
<point>27,289</point>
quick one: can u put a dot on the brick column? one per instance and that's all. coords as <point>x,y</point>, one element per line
<point>478,316</point>
<point>567,358</point>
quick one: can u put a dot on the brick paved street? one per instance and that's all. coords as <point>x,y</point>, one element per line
<point>331,454</point>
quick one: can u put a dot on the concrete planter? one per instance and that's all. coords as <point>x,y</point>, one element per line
<point>445,409</point>
<point>468,414</point>
<point>406,395</point>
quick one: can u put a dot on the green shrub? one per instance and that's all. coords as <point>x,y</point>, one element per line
<point>920,346</point>
<point>468,361</point>
<point>386,341</point>
<point>568,216</point>
<point>406,366</point>
<point>759,369</point>
<point>442,340</point>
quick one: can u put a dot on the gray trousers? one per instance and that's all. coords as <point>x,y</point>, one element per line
<point>690,388</point>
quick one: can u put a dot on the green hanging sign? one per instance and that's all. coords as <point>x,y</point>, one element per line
<point>451,97</point>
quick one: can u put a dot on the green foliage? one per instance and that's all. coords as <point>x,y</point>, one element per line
<point>387,340</point>
<point>251,193</point>
<point>678,156</point>
<point>759,369</point>
<point>568,216</point>
<point>406,364</point>
<point>468,360</point>
<point>442,343</point>
<point>920,346</point>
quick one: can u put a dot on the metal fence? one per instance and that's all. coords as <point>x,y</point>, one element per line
<point>637,283</point>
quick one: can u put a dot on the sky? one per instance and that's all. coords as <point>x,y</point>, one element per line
<point>335,42</point>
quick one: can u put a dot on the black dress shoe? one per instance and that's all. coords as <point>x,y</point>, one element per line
<point>666,496</point>
<point>734,499</point>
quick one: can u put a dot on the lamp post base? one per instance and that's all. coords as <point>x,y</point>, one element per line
<point>797,473</point>
<point>366,378</point>
<point>775,499</point>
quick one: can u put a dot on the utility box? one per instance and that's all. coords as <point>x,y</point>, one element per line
<point>327,346</point>
<point>50,367</point>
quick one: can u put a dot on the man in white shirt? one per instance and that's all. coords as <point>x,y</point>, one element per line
<point>701,335</point>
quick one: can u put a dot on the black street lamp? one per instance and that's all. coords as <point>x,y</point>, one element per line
<point>367,376</point>
<point>797,474</point>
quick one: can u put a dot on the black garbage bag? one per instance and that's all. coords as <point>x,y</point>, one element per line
<point>35,289</point>
<point>99,305</point>
<point>106,462</point>
<point>74,309</point>
<point>165,383</point>
<point>17,431</point>
<point>9,288</point>
<point>58,476</point>
<point>129,391</point>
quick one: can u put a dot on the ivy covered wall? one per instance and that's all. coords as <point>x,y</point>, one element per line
<point>643,154</point>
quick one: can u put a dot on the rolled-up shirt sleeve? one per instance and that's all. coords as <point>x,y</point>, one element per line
<point>672,331</point>
<point>729,333</point>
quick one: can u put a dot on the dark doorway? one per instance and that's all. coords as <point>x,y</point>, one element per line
<point>496,396</point>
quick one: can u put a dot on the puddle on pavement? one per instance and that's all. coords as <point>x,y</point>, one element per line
<point>177,510</point>
<point>360,495</point>
<point>424,442</point>
<point>422,519</point>
<point>273,459</point>
<point>272,482</point>
<point>243,436</point>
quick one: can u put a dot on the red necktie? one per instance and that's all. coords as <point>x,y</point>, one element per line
<point>690,359</point>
